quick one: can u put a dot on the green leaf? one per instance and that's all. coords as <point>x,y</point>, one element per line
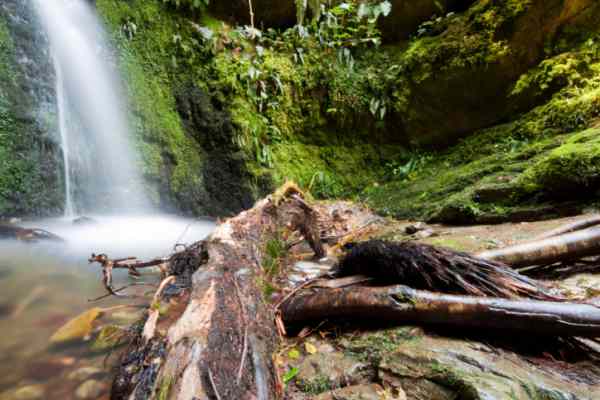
<point>294,354</point>
<point>291,374</point>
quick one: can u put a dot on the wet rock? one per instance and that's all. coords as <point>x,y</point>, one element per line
<point>323,371</point>
<point>84,373</point>
<point>30,392</point>
<point>361,392</point>
<point>109,337</point>
<point>494,193</point>
<point>90,389</point>
<point>441,368</point>
<point>45,369</point>
<point>427,233</point>
<point>126,316</point>
<point>84,221</point>
<point>414,228</point>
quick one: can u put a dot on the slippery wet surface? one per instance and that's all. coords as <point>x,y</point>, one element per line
<point>45,285</point>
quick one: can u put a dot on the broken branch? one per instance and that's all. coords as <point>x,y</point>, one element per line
<point>567,247</point>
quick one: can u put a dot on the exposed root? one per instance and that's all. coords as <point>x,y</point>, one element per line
<point>426,267</point>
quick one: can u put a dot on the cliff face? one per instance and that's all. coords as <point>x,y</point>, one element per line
<point>220,117</point>
<point>30,167</point>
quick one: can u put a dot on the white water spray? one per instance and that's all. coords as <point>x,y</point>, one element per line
<point>100,168</point>
<point>64,136</point>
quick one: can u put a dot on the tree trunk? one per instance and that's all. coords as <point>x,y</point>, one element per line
<point>219,344</point>
<point>403,305</point>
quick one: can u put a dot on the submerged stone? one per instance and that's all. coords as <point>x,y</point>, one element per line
<point>30,392</point>
<point>89,390</point>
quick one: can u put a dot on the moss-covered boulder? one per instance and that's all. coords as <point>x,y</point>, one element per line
<point>462,79</point>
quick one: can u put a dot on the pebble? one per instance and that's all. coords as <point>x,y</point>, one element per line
<point>90,389</point>
<point>412,229</point>
<point>425,234</point>
<point>84,373</point>
<point>30,392</point>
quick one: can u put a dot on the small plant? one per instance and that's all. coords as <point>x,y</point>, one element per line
<point>275,250</point>
<point>407,168</point>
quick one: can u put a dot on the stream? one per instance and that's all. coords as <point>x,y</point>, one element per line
<point>44,285</point>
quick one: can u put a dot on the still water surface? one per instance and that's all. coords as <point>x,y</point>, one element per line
<point>44,285</point>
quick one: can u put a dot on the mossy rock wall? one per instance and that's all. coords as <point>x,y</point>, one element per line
<point>30,167</point>
<point>183,134</point>
<point>211,145</point>
<point>220,121</point>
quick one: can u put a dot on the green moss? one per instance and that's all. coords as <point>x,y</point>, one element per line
<point>28,182</point>
<point>573,166</point>
<point>373,346</point>
<point>172,162</point>
<point>329,120</point>
<point>513,168</point>
<point>315,386</point>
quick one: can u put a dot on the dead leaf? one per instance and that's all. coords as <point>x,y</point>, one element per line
<point>310,348</point>
<point>77,328</point>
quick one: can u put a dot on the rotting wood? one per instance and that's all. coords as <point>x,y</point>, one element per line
<point>221,344</point>
<point>403,305</point>
<point>566,247</point>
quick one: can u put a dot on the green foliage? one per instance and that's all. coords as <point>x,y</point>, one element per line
<point>193,4</point>
<point>290,375</point>
<point>274,253</point>
<point>407,167</point>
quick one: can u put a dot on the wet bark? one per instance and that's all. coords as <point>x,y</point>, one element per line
<point>566,247</point>
<point>27,235</point>
<point>572,227</point>
<point>219,344</point>
<point>403,305</point>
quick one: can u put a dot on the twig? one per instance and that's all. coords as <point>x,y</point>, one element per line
<point>178,241</point>
<point>244,353</point>
<point>251,15</point>
<point>121,289</point>
<point>245,322</point>
<point>161,287</point>
<point>214,387</point>
<point>153,313</point>
<point>295,290</point>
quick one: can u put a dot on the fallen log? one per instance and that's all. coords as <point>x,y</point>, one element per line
<point>14,232</point>
<point>572,227</point>
<point>566,247</point>
<point>220,344</point>
<point>403,305</point>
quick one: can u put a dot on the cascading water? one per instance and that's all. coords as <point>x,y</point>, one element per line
<point>49,283</point>
<point>64,136</point>
<point>100,168</point>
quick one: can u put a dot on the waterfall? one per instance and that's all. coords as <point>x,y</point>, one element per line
<point>64,136</point>
<point>99,164</point>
